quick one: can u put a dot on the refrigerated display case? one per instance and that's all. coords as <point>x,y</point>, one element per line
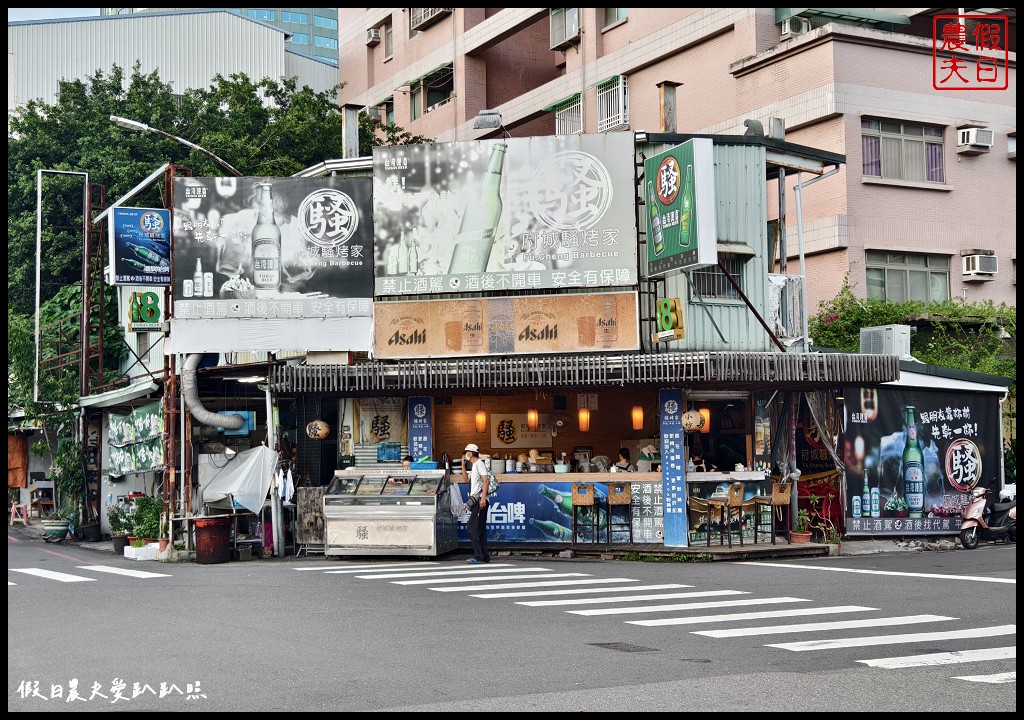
<point>389,513</point>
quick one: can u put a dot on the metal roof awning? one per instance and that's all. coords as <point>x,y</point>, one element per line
<point>740,371</point>
<point>854,15</point>
<point>118,396</point>
<point>552,107</point>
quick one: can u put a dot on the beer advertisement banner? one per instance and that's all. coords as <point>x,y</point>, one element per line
<point>487,326</point>
<point>532,512</point>
<point>420,428</point>
<point>679,195</point>
<point>913,456</point>
<point>291,257</point>
<point>515,213</point>
<point>140,246</point>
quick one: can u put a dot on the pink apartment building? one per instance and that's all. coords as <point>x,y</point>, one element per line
<point>923,209</point>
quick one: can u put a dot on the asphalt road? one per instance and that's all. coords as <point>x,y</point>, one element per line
<point>925,631</point>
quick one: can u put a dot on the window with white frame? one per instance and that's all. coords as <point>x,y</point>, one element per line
<point>294,17</point>
<point>257,14</point>
<point>614,15</point>
<point>569,116</point>
<point>565,26</point>
<point>299,39</point>
<point>325,22</point>
<point>389,38</point>
<point>323,42</point>
<point>898,277</point>
<point>712,284</point>
<point>612,104</point>
<point>902,151</point>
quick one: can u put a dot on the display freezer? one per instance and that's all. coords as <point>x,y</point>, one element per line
<point>389,513</point>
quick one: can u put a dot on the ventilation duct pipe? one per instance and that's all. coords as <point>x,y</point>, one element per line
<point>190,392</point>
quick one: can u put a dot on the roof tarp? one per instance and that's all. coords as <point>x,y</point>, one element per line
<point>245,479</point>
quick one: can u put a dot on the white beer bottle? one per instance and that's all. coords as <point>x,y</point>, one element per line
<point>480,220</point>
<point>266,243</point>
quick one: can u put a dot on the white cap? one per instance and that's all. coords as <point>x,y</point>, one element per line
<point>472,448</point>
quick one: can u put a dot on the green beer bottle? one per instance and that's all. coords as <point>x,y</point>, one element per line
<point>913,468</point>
<point>560,500</point>
<point>655,215</point>
<point>686,216</point>
<point>552,529</point>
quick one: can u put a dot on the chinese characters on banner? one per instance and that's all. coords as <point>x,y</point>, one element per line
<point>140,246</point>
<point>920,486</point>
<point>673,475</point>
<point>513,214</point>
<point>970,52</point>
<point>420,432</point>
<point>381,420</point>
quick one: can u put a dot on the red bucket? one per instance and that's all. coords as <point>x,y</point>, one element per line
<point>213,540</point>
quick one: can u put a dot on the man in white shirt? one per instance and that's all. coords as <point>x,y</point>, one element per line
<point>479,485</point>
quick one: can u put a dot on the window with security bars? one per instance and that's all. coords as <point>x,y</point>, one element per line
<point>569,117</point>
<point>612,104</point>
<point>420,18</point>
<point>902,151</point>
<point>712,284</point>
<point>899,277</point>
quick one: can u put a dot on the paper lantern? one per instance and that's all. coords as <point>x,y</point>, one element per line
<point>692,420</point>
<point>584,420</point>
<point>638,417</point>
<point>481,421</point>
<point>705,419</point>
<point>532,419</point>
<point>318,430</point>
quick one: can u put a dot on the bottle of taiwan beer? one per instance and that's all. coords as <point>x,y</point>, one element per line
<point>865,498</point>
<point>480,220</point>
<point>266,242</point>
<point>657,234</point>
<point>913,468</point>
<point>686,216</point>
<point>560,500</point>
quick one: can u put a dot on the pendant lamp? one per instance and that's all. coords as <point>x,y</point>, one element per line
<point>532,420</point>
<point>584,419</point>
<point>638,417</point>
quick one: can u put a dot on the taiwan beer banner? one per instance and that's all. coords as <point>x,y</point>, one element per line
<point>288,256</point>
<point>136,441</point>
<point>512,214</point>
<point>140,246</point>
<point>536,324</point>
<point>673,464</point>
<point>913,456</point>
<point>679,195</point>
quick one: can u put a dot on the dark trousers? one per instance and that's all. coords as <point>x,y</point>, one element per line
<point>477,529</point>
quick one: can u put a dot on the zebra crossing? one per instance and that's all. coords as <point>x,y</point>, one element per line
<point>582,594</point>
<point>65,577</point>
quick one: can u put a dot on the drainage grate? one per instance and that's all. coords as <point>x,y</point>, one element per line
<point>624,647</point>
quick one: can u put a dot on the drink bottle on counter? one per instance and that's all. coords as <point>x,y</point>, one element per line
<point>480,220</point>
<point>913,468</point>
<point>266,243</point>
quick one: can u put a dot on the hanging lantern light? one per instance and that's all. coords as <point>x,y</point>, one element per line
<point>318,430</point>
<point>638,417</point>
<point>705,419</point>
<point>584,419</point>
<point>532,420</point>
<point>692,420</point>
<point>481,421</point>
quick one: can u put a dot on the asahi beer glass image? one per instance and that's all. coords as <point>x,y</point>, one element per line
<point>913,456</point>
<point>272,247</point>
<point>517,213</point>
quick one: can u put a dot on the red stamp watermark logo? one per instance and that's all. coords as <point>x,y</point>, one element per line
<point>970,52</point>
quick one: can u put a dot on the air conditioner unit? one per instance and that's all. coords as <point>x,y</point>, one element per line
<point>886,340</point>
<point>980,267</point>
<point>796,26</point>
<point>976,137</point>
<point>373,36</point>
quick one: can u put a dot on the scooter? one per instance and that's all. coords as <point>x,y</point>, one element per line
<point>982,521</point>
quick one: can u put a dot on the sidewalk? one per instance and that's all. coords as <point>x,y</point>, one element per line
<point>698,553</point>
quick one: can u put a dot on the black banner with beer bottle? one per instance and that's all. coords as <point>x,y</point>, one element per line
<point>913,456</point>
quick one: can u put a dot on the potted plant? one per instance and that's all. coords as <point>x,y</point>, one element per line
<point>146,518</point>
<point>801,532</point>
<point>120,525</point>
<point>57,524</point>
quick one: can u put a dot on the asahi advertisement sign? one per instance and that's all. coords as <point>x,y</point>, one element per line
<point>510,214</point>
<point>914,456</point>
<point>487,326</point>
<point>679,195</point>
<point>290,252</point>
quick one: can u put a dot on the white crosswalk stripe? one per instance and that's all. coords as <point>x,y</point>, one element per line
<point>731,617</point>
<point>817,627</point>
<point>122,571</point>
<point>543,583</point>
<point>690,606</point>
<point>349,568</point>
<point>943,658</point>
<point>632,598</point>
<point>451,570</point>
<point>964,634</point>
<point>53,575</point>
<point>994,679</point>
<point>583,591</point>
<point>430,581</point>
<point>74,578</point>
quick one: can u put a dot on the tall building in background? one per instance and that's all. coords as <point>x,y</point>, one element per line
<point>923,209</point>
<point>311,31</point>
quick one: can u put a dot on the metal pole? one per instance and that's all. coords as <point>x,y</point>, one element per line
<point>143,127</point>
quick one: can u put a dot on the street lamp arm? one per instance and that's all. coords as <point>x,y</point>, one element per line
<point>142,127</point>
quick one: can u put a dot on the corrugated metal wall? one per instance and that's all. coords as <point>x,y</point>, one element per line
<point>187,50</point>
<point>740,189</point>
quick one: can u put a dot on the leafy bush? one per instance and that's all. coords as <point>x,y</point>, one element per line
<point>146,517</point>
